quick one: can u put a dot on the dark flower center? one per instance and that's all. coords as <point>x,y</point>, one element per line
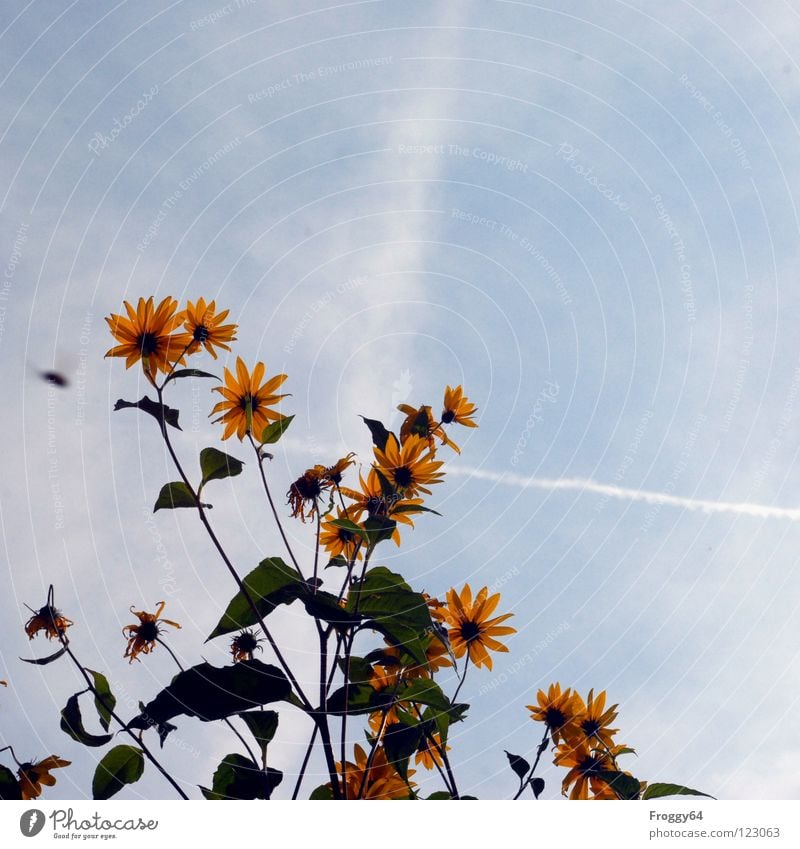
<point>554,718</point>
<point>201,333</point>
<point>148,631</point>
<point>246,642</point>
<point>307,487</point>
<point>148,343</point>
<point>403,477</point>
<point>345,535</point>
<point>448,416</point>
<point>470,631</point>
<point>590,727</point>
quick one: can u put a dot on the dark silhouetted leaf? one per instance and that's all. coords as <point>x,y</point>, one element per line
<point>378,528</point>
<point>175,494</point>
<point>625,786</point>
<point>400,741</point>
<point>439,795</point>
<point>379,433</point>
<point>323,792</point>
<point>108,702</point>
<point>657,791</point>
<point>274,431</point>
<point>43,661</point>
<point>326,606</point>
<point>262,724</point>
<point>537,785</point>
<point>156,410</point>
<point>120,766</point>
<point>189,372</point>
<point>520,766</point>
<point>9,786</point>
<point>216,465</point>
<point>72,724</point>
<point>238,778</point>
<point>339,560</point>
<point>271,583</point>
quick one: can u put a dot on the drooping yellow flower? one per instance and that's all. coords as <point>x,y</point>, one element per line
<point>244,645</point>
<point>47,619</point>
<point>142,638</point>
<point>248,403</point>
<point>471,630</point>
<point>585,766</point>
<point>33,775</point>
<point>457,408</point>
<point>559,711</point>
<point>382,782</point>
<point>409,467</point>
<point>147,335</point>
<point>594,720</point>
<point>204,328</point>
<point>304,493</point>
<point>420,421</point>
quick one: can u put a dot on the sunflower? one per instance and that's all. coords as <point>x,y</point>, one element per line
<point>457,408</point>
<point>372,501</point>
<point>247,405</point>
<point>339,542</point>
<point>48,619</point>
<point>429,753</point>
<point>333,474</point>
<point>146,335</point>
<point>585,766</point>
<point>382,780</point>
<point>33,775</point>
<point>142,638</point>
<point>204,328</point>
<point>243,645</point>
<point>420,421</point>
<point>559,711</point>
<point>409,467</point>
<point>471,630</point>
<point>594,720</point>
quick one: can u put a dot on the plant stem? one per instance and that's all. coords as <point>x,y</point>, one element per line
<point>540,751</point>
<point>306,759</point>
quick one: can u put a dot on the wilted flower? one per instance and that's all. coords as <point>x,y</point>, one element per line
<point>142,638</point>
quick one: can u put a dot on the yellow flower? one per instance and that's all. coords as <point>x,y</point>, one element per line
<point>243,645</point>
<point>248,402</point>
<point>382,780</point>
<point>33,775</point>
<point>420,421</point>
<point>204,328</point>
<point>304,493</point>
<point>429,753</point>
<point>559,711</point>
<point>585,766</point>
<point>593,719</point>
<point>457,408</point>
<point>142,638</point>
<point>409,467</point>
<point>49,620</point>
<point>339,542</point>
<point>372,501</point>
<point>146,335</point>
<point>470,628</point>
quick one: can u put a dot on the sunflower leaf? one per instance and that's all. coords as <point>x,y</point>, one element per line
<point>425,692</point>
<point>439,795</point>
<point>237,778</point>
<point>325,606</point>
<point>274,431</point>
<point>380,435</point>
<point>520,766</point>
<point>9,786</point>
<point>43,661</point>
<point>173,495</point>
<point>350,526</point>
<point>189,372</point>
<point>377,529</point>
<point>105,700</point>
<point>271,583</point>
<point>414,508</point>
<point>322,792</point>
<point>262,724</point>
<point>72,724</point>
<point>537,786</point>
<point>120,766</point>
<point>361,698</point>
<point>657,791</point>
<point>216,465</point>
<point>339,560</point>
<point>400,741</point>
<point>625,786</point>
<point>160,412</point>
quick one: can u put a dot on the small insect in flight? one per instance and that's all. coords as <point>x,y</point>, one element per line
<point>54,378</point>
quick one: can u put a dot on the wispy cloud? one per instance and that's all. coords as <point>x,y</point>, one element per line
<point>742,508</point>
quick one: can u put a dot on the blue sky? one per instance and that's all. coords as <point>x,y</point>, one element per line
<point>584,212</point>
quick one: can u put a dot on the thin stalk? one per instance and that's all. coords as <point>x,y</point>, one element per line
<point>541,750</point>
<point>304,765</point>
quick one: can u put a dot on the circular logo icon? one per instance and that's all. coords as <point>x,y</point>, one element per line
<point>31,822</point>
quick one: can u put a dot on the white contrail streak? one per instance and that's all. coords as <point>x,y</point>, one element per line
<point>762,511</point>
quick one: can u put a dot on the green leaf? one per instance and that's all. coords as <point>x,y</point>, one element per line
<point>378,528</point>
<point>352,527</point>
<point>43,661</point>
<point>271,583</point>
<point>158,411</point>
<point>262,724</point>
<point>72,724</point>
<point>325,606</point>
<point>625,786</point>
<point>439,795</point>
<point>339,560</point>
<point>400,741</point>
<point>9,786</point>
<point>273,432</point>
<point>108,702</point>
<point>360,669</point>
<point>361,699</point>
<point>216,465</point>
<point>520,766</point>
<point>323,792</point>
<point>379,433</point>
<point>175,494</point>
<point>120,766</point>
<point>189,372</point>
<point>423,691</point>
<point>413,508</point>
<point>210,692</point>
<point>238,778</point>
<point>657,791</point>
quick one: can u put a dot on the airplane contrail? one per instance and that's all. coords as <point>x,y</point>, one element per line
<point>763,511</point>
